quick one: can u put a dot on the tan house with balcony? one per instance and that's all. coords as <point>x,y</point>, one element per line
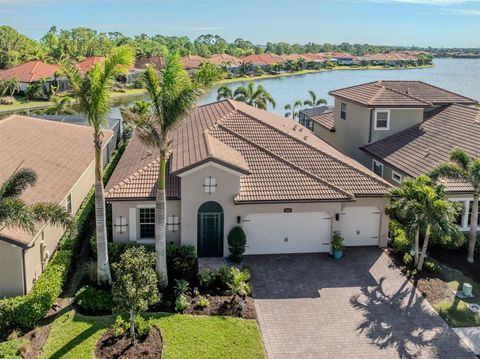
<point>62,156</point>
<point>232,164</point>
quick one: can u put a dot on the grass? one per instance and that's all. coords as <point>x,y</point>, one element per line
<point>10,348</point>
<point>75,336</point>
<point>454,310</point>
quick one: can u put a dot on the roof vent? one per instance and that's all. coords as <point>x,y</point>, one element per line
<point>427,154</point>
<point>305,138</point>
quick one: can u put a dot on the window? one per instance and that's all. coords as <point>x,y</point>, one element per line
<point>343,111</point>
<point>147,222</point>
<point>461,214</point>
<point>397,177</point>
<point>210,184</point>
<point>470,210</point>
<point>173,223</point>
<point>382,119</point>
<point>308,123</point>
<point>68,205</point>
<point>377,168</point>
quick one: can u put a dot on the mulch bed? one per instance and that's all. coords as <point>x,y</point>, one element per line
<point>223,305</point>
<point>457,259</point>
<point>111,347</point>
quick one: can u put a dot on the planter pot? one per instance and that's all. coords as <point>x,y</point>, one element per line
<point>337,254</point>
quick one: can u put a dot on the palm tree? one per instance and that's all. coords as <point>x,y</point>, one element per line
<point>61,106</point>
<point>291,109</point>
<point>173,95</point>
<point>223,93</point>
<point>14,212</point>
<point>10,87</point>
<point>258,97</point>
<point>425,205</point>
<point>465,168</point>
<point>313,101</point>
<point>93,91</point>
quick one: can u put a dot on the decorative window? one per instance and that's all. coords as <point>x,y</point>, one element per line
<point>120,224</point>
<point>397,177</point>
<point>147,222</point>
<point>210,184</point>
<point>68,205</point>
<point>173,223</point>
<point>377,167</point>
<point>343,111</point>
<point>382,119</point>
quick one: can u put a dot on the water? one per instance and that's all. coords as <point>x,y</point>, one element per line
<point>458,75</point>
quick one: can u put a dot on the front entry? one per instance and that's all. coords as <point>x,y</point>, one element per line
<point>210,230</point>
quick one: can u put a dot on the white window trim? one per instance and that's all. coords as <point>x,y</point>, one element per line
<point>378,163</point>
<point>395,173</point>
<point>466,206</point>
<point>139,207</point>
<point>375,120</point>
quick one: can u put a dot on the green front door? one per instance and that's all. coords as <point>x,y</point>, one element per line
<point>210,230</point>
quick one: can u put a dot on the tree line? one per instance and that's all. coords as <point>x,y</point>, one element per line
<point>78,43</point>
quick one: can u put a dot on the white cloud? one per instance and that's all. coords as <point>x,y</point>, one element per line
<point>465,12</point>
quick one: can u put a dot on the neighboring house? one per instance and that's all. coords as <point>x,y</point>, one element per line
<point>63,158</point>
<point>342,58</point>
<point>320,120</point>
<point>389,126</point>
<point>192,62</point>
<point>265,61</point>
<point>89,62</point>
<point>30,72</point>
<point>231,62</point>
<point>156,61</point>
<point>232,164</point>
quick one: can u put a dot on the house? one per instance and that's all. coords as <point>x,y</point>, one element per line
<point>233,164</point>
<point>232,63</point>
<point>89,62</point>
<point>311,118</point>
<point>342,58</point>
<point>265,61</point>
<point>156,61</point>
<point>62,156</point>
<point>30,72</point>
<point>419,148</point>
<point>192,62</point>
<point>400,128</point>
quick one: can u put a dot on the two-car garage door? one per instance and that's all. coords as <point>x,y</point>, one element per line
<point>308,232</point>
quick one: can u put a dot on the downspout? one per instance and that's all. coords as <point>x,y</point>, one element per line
<point>24,272</point>
<point>370,127</point>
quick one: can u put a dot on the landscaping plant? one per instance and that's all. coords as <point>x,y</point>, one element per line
<point>236,244</point>
<point>135,288</point>
<point>206,278</point>
<point>94,301</point>
<point>182,287</point>
<point>238,283</point>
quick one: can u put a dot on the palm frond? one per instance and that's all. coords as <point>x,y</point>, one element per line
<point>447,170</point>
<point>52,213</point>
<point>16,213</point>
<point>18,182</point>
<point>460,157</point>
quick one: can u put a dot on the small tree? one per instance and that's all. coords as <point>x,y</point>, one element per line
<point>136,286</point>
<point>236,244</point>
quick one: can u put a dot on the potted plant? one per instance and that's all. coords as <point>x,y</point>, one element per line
<point>337,246</point>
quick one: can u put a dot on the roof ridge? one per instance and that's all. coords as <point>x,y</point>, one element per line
<point>380,91</point>
<point>294,166</point>
<point>408,95</point>
<point>450,92</point>
<point>318,150</point>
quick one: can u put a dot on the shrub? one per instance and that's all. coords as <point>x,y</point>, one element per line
<point>238,283</point>
<point>337,242</point>
<point>206,278</point>
<point>182,287</point>
<point>400,240</point>
<point>181,303</point>
<point>94,301</point>
<point>7,100</point>
<point>181,262</point>
<point>92,271</point>
<point>236,244</point>
<point>408,258</point>
<point>202,302</point>
<point>143,326</point>
<point>431,265</point>
<point>120,326</point>
<point>224,276</point>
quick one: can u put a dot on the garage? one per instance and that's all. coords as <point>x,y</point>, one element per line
<point>360,226</point>
<point>273,233</point>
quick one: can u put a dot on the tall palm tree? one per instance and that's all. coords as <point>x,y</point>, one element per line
<point>425,204</point>
<point>61,106</point>
<point>10,87</point>
<point>224,92</point>
<point>93,92</point>
<point>290,108</point>
<point>465,168</point>
<point>313,101</point>
<point>14,212</point>
<point>173,95</point>
<point>258,97</point>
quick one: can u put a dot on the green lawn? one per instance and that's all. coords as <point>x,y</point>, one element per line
<point>75,336</point>
<point>9,349</point>
<point>454,310</point>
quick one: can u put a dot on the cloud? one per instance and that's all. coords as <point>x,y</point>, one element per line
<point>465,12</point>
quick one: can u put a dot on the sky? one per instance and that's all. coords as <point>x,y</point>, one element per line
<point>437,23</point>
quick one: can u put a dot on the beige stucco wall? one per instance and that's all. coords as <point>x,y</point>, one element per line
<point>400,119</point>
<point>121,209</point>
<point>11,272</point>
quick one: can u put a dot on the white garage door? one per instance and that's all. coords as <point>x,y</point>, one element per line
<point>360,226</point>
<point>303,232</point>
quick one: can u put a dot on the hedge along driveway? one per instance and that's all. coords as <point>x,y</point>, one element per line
<point>75,336</point>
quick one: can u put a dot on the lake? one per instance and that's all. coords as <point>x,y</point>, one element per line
<point>457,75</point>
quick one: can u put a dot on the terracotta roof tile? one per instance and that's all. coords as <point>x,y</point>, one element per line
<point>282,160</point>
<point>419,149</point>
<point>89,62</point>
<point>219,59</point>
<point>263,59</point>
<point>29,71</point>
<point>192,61</point>
<point>156,61</point>
<point>323,115</point>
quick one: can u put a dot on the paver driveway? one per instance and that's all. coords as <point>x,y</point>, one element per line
<point>310,306</point>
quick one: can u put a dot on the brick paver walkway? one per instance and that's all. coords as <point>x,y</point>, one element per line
<point>310,306</point>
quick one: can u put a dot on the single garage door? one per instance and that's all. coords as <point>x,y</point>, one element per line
<point>360,226</point>
<point>302,232</point>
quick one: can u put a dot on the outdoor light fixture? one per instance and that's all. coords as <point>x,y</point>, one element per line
<point>337,216</point>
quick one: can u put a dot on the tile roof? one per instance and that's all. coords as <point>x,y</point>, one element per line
<point>419,149</point>
<point>58,152</point>
<point>156,61</point>
<point>192,61</point>
<point>323,115</point>
<point>89,62</point>
<point>263,59</point>
<point>219,59</point>
<point>29,71</point>
<point>281,160</point>
<point>399,93</point>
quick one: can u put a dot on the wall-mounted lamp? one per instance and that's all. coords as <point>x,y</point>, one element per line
<point>337,216</point>
<point>239,219</point>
